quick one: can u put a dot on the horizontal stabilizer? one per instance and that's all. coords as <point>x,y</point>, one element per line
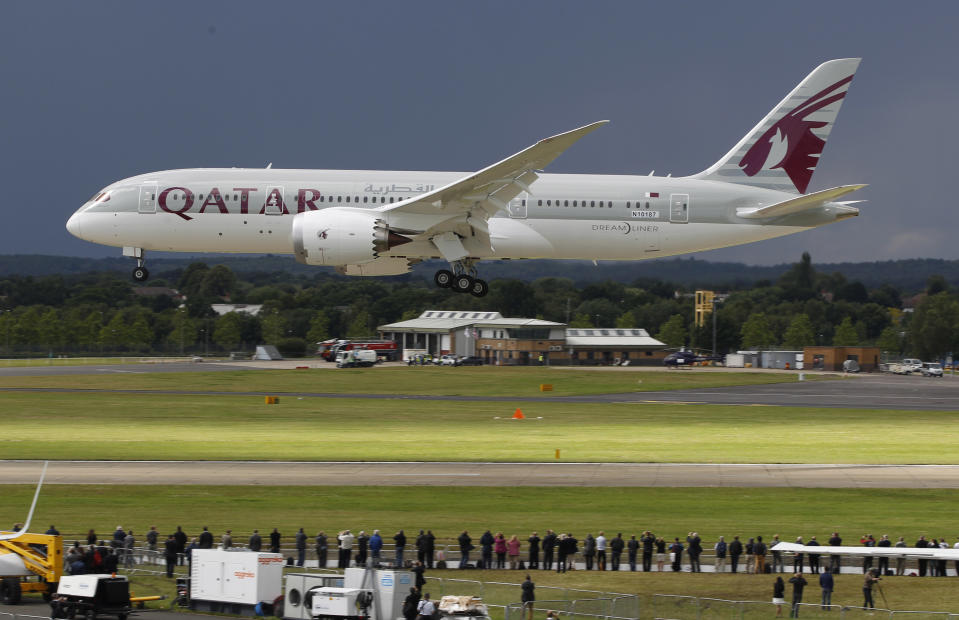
<point>795,205</point>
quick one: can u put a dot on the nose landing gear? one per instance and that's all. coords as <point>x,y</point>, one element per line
<point>462,279</point>
<point>141,273</point>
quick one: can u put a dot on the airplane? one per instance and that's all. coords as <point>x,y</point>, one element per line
<point>380,223</point>
<point>687,358</point>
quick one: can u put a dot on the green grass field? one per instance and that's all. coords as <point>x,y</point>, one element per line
<point>465,381</point>
<point>176,427</point>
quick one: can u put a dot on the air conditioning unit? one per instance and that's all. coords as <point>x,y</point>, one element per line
<point>555,347</point>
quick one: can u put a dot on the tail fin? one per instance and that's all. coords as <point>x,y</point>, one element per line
<point>782,151</point>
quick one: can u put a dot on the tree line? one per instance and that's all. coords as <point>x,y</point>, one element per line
<point>104,313</point>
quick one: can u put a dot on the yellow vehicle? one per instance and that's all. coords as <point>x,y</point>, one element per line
<point>30,563</point>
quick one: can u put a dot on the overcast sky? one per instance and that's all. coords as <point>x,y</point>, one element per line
<point>97,91</point>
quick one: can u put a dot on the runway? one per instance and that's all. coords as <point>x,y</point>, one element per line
<point>485,474</point>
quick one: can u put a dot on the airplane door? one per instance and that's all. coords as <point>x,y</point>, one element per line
<point>517,207</point>
<point>148,194</point>
<point>679,208</point>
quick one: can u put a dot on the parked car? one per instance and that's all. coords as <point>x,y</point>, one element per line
<point>911,365</point>
<point>931,369</point>
<point>448,360</point>
<point>472,360</point>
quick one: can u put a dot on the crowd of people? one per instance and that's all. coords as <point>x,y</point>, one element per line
<point>552,551</point>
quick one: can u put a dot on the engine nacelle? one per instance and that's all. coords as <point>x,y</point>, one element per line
<point>341,236</point>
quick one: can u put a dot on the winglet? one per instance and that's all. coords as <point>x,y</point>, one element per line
<point>36,495</point>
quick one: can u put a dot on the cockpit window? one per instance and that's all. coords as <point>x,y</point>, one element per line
<point>101,197</point>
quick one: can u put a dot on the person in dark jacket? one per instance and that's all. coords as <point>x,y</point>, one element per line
<point>735,550</point>
<point>549,546</point>
<point>206,538</point>
<point>376,546</point>
<point>180,537</point>
<point>677,550</point>
<point>813,557</point>
<point>835,563</point>
<point>632,550</point>
<point>169,553</point>
<point>533,541</point>
<point>759,552</point>
<point>399,540</point>
<point>409,604</point>
<point>616,546</point>
<point>486,544</point>
<point>256,541</point>
<point>362,548</point>
<point>649,542</point>
<point>466,545</point>
<point>420,545</point>
<point>695,548</point>
<point>799,582</point>
<point>884,561</point>
<point>300,547</point>
<point>275,538</point>
<point>322,545</point>
<point>430,546</point>
<point>589,550</point>
<point>827,584</point>
<point>779,595</point>
<point>798,557</point>
<point>721,548</point>
<point>922,543</point>
<point>529,597</point>
<point>418,570</point>
<point>871,578</point>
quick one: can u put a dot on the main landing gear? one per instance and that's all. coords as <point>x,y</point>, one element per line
<point>462,279</point>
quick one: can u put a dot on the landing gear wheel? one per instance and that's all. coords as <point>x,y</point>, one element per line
<point>140,274</point>
<point>479,288</point>
<point>443,278</point>
<point>462,283</point>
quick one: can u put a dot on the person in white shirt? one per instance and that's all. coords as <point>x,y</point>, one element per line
<point>601,552</point>
<point>426,608</point>
<point>346,548</point>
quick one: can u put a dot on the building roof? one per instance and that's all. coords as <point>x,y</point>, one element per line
<point>448,320</point>
<point>222,309</point>
<point>610,336</point>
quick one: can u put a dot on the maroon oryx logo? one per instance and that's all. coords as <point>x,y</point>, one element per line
<point>322,233</point>
<point>802,146</point>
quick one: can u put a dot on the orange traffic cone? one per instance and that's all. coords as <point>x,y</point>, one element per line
<point>519,414</point>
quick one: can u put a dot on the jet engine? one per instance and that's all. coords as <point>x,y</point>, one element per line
<point>341,236</point>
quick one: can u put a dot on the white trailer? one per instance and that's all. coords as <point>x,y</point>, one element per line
<point>235,582</point>
<point>366,593</point>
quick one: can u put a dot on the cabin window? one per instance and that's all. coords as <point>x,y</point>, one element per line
<point>592,203</point>
<point>366,198</point>
<point>539,203</point>
<point>627,204</point>
<point>347,199</point>
<point>549,203</point>
<point>565,203</point>
<point>601,203</point>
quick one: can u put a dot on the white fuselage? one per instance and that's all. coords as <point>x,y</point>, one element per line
<point>569,216</point>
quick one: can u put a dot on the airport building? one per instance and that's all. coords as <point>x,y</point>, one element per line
<point>519,341</point>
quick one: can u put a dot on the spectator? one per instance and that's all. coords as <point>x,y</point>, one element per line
<point>835,562</point>
<point>425,608</point>
<point>275,538</point>
<point>798,584</point>
<point>941,564</point>
<point>345,539</point>
<point>499,546</point>
<point>529,597</point>
<point>813,557</point>
<point>922,543</point>
<point>871,579</point>
<point>194,545</point>
<point>867,541</point>
<point>256,541</point>
<point>695,549</point>
<point>632,549</point>
<point>112,561</point>
<point>533,541</point>
<point>170,553</point>
<point>561,550</point>
<point>466,545</point>
<point>410,604</point>
<point>779,595</point>
<point>430,548</point>
<point>153,537</point>
<point>660,553</point>
<point>418,570</point>
<point>53,531</point>
<point>180,537</point>
<point>362,547</point>
<point>300,547</point>
<point>884,560</point>
<point>901,561</point>
<point>322,546</point>
<point>421,547</point>
<point>572,548</point>
<point>759,550</point>
<point>486,549</point>
<point>601,551</point>
<point>777,555</point>
<point>649,542</point>
<point>827,583</point>
<point>512,550</point>
<point>589,551</point>
<point>616,546</point>
<point>206,538</point>
<point>549,547</point>
<point>750,561</point>
<point>798,557</point>
<point>376,546</point>
<point>227,539</point>
<point>128,543</point>
<point>399,540</point>
<point>720,550</point>
<point>118,536</point>
<point>676,550</point>
<point>91,537</point>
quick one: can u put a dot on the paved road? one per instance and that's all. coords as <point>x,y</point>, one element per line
<point>861,392</point>
<point>485,474</point>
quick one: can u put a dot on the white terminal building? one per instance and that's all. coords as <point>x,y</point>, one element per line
<point>520,341</point>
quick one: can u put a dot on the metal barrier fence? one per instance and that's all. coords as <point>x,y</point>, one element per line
<point>678,607</point>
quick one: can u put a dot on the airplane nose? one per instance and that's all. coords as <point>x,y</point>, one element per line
<point>73,225</point>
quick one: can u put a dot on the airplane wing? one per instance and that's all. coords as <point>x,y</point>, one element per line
<point>795,205</point>
<point>26,524</point>
<point>462,208</point>
<point>910,552</point>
